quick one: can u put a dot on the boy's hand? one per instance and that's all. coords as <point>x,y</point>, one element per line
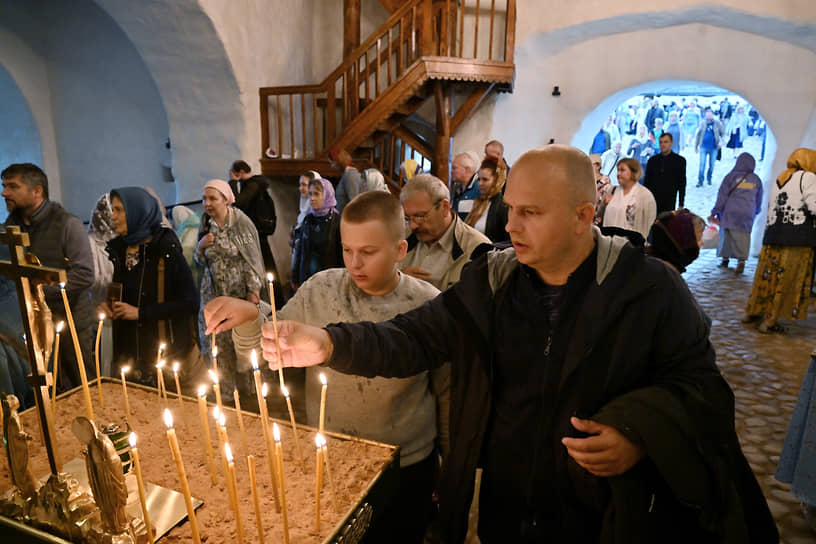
<point>223,313</point>
<point>301,345</point>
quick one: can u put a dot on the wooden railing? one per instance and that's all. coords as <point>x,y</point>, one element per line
<point>393,149</point>
<point>301,121</point>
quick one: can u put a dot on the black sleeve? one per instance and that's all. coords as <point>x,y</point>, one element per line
<point>682,183</point>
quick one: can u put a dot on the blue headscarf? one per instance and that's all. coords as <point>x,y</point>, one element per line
<point>142,212</point>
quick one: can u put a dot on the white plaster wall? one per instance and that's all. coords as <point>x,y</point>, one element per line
<point>29,73</point>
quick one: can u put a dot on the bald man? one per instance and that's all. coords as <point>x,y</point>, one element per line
<point>583,382</point>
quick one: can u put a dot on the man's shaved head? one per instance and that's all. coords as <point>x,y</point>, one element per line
<point>563,164</point>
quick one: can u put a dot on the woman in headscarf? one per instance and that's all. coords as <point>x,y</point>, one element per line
<point>676,238</point>
<point>641,148</point>
<point>738,202</point>
<point>783,278</point>
<point>229,253</point>
<point>373,180</point>
<point>159,299</point>
<point>100,232</point>
<point>408,169</point>
<point>489,212</point>
<point>318,245</point>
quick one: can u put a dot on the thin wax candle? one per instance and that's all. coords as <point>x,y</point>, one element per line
<point>205,428</point>
<point>182,475</point>
<point>122,371</point>
<point>86,392</point>
<point>134,453</point>
<point>60,325</point>
<point>98,366</point>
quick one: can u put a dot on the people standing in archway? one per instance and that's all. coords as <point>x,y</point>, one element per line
<point>631,206</point>
<point>666,176</point>
<point>739,200</point>
<point>781,288</point>
<point>707,141</point>
<point>690,120</point>
<point>673,128</point>
<point>641,148</point>
<point>230,254</point>
<point>737,130</point>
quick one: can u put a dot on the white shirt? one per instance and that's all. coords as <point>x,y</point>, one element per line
<point>635,211</point>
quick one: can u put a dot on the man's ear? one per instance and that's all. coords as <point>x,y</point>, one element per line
<point>585,213</point>
<point>445,205</point>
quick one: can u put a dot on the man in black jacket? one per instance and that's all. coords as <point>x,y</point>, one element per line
<point>59,240</point>
<point>666,176</point>
<point>583,382</point>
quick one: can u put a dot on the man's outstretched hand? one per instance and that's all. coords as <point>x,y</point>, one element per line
<point>301,345</point>
<point>607,453</point>
<point>223,313</point>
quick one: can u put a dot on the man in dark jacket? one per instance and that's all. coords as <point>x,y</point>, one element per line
<point>666,176</point>
<point>59,240</point>
<point>593,405</point>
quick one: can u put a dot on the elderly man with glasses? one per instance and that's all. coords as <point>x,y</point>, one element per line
<point>440,243</point>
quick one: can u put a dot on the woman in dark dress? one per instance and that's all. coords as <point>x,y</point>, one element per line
<point>149,264</point>
<point>318,247</point>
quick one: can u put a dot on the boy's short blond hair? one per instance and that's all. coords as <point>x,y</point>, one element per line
<point>379,206</point>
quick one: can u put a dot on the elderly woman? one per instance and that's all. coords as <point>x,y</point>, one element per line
<point>318,246</point>
<point>784,273</point>
<point>230,254</point>
<point>738,202</point>
<point>631,206</point>
<point>676,238</point>
<point>641,148</point>
<point>159,299</point>
<point>489,212</point>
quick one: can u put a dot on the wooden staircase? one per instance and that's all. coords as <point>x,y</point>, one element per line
<point>428,56</point>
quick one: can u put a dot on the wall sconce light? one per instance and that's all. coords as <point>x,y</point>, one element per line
<point>556,91</point>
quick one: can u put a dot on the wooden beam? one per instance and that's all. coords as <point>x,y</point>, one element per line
<point>351,26</point>
<point>470,105</point>
<point>440,167</point>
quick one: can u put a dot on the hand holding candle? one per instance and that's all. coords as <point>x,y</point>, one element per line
<point>60,325</point>
<point>134,452</point>
<point>185,487</point>
<point>96,352</point>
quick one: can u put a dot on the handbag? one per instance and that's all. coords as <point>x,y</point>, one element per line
<point>193,368</point>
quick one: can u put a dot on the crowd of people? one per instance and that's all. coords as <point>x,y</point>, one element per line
<point>485,323</point>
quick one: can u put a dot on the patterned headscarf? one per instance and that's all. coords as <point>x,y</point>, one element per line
<point>801,159</point>
<point>329,202</point>
<point>100,225</point>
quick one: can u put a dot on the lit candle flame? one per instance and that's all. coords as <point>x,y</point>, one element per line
<point>222,421</point>
<point>102,317</point>
<point>132,440</point>
<point>264,390</point>
<point>168,418</point>
<point>62,285</point>
<point>276,432</point>
<point>216,413</point>
<point>323,379</point>
<point>285,391</point>
<point>322,440</point>
<point>213,376</point>
<point>202,390</point>
<point>161,348</point>
<point>319,440</point>
<point>215,351</point>
<point>254,358</point>
<point>125,369</point>
<point>228,453</point>
<point>176,367</point>
<point>60,325</point>
<point>269,277</point>
<point>161,364</point>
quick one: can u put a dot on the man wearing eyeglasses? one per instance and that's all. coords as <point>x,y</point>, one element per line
<point>440,243</point>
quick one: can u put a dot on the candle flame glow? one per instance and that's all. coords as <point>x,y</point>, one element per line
<point>323,379</point>
<point>168,418</point>
<point>222,421</point>
<point>216,413</point>
<point>276,432</point>
<point>102,317</point>
<point>264,390</point>
<point>161,364</point>
<point>254,358</point>
<point>319,441</point>
<point>125,369</point>
<point>285,391</point>
<point>228,453</point>
<point>60,325</point>
<point>269,277</point>
<point>215,351</point>
<point>62,285</point>
<point>213,376</point>
<point>161,348</point>
<point>202,390</point>
<point>132,440</point>
<point>176,366</point>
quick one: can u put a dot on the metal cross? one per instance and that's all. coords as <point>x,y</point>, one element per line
<point>23,269</point>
